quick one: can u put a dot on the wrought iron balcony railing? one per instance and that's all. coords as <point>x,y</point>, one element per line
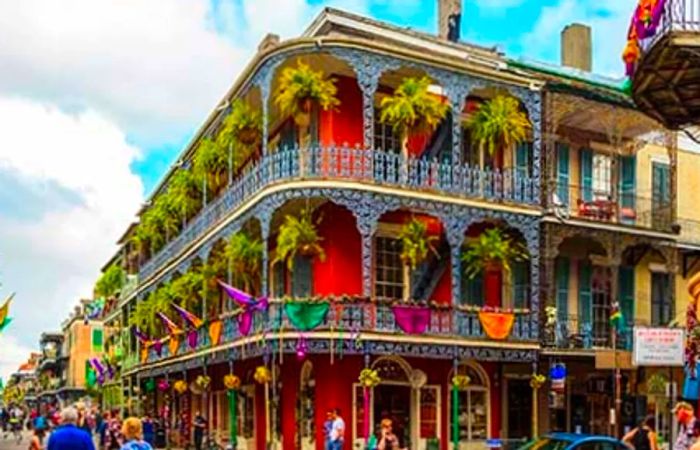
<point>678,16</point>
<point>351,164</point>
<point>347,319</point>
<point>573,333</point>
<point>573,201</point>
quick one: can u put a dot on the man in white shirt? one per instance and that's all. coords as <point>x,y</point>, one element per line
<point>337,434</point>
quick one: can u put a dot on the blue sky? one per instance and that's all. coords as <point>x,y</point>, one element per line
<point>98,97</point>
<point>508,24</point>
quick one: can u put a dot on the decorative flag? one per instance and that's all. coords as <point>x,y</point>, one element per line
<point>248,303</point>
<point>187,316</point>
<point>617,320</point>
<point>141,336</point>
<point>169,324</point>
<point>95,308</point>
<point>4,311</point>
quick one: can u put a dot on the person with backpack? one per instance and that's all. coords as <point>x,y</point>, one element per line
<point>132,430</point>
<point>643,437</point>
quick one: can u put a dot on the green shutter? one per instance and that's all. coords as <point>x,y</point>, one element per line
<point>278,288</point>
<point>562,274</point>
<point>97,339</point>
<point>563,172</point>
<point>520,284</point>
<point>627,181</point>
<point>585,297</point>
<point>586,175</point>
<point>301,277</point>
<point>522,159</point>
<point>626,292</point>
<point>473,290</point>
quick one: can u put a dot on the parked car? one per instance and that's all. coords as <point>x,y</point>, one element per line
<point>571,441</point>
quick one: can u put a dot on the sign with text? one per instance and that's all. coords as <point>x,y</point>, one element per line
<point>658,346</point>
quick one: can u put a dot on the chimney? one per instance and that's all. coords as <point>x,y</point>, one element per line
<point>449,19</point>
<point>576,48</point>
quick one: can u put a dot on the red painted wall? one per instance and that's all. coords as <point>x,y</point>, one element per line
<point>341,271</point>
<point>343,125</point>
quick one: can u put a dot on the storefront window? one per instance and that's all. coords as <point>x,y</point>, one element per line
<point>473,412</point>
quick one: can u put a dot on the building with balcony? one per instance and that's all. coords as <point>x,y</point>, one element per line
<point>662,62</point>
<point>50,369</point>
<point>589,198</point>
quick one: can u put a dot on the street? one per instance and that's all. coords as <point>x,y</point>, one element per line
<point>8,441</point>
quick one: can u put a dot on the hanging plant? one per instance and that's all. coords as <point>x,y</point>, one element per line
<point>298,236</point>
<point>300,88</point>
<point>211,165</point>
<point>369,378</point>
<point>185,193</point>
<point>163,385</point>
<point>412,110</point>
<point>493,247</point>
<point>416,243</point>
<point>262,375</point>
<point>203,382</point>
<point>537,380</point>
<point>461,382</point>
<point>232,382</point>
<point>499,124</point>
<point>244,252</point>
<point>180,386</point>
<point>243,125</point>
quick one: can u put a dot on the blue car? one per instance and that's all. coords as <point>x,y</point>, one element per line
<point>571,441</point>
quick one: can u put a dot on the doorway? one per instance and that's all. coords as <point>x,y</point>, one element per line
<point>393,401</point>
<point>519,409</point>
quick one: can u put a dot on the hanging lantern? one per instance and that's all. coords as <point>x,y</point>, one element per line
<point>180,386</point>
<point>232,382</point>
<point>262,375</point>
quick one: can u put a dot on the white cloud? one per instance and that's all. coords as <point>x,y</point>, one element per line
<point>609,21</point>
<point>50,254</point>
<point>12,355</point>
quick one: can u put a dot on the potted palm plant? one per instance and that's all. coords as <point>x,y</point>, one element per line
<point>186,194</point>
<point>298,235</point>
<point>300,89</point>
<point>492,250</point>
<point>412,110</point>
<point>211,165</point>
<point>416,243</point>
<point>499,124</point>
<point>244,252</point>
<point>243,125</point>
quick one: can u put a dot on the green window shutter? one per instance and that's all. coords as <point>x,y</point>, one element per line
<point>473,290</point>
<point>585,296</point>
<point>278,272</point>
<point>628,181</point>
<point>523,157</point>
<point>626,293</point>
<point>301,277</point>
<point>521,285</point>
<point>97,339</point>
<point>563,172</point>
<point>586,175</point>
<point>562,274</point>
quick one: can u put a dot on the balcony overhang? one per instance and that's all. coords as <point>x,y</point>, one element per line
<point>666,82</point>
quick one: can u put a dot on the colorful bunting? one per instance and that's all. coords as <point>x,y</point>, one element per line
<point>306,316</point>
<point>249,305</point>
<point>215,332</point>
<point>141,336</point>
<point>412,319</point>
<point>173,345</point>
<point>173,329</point>
<point>187,316</point>
<point>496,325</point>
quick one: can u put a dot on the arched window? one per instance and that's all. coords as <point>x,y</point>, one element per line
<point>473,413</point>
<point>306,412</point>
<point>392,369</point>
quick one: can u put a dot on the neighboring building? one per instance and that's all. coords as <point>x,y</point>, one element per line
<point>82,339</point>
<point>592,197</point>
<point>51,369</point>
<point>22,386</point>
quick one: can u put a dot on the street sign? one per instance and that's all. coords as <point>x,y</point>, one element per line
<point>658,347</point>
